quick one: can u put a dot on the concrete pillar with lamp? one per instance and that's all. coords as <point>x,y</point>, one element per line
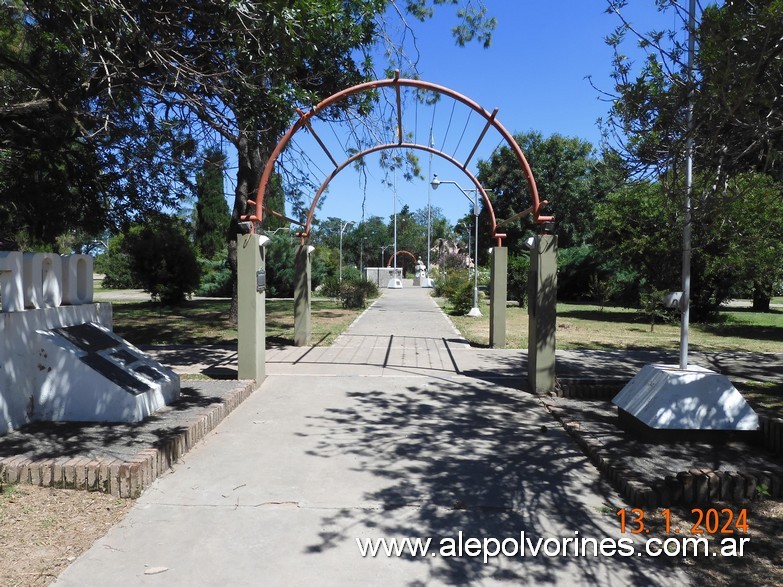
<point>498,290</point>
<point>251,298</point>
<point>542,311</point>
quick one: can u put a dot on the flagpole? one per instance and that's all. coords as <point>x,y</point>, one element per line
<point>685,302</point>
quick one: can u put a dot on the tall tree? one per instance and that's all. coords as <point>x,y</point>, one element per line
<point>568,174</point>
<point>738,119</point>
<point>212,214</point>
<point>737,79</point>
<point>236,70</point>
<point>81,146</point>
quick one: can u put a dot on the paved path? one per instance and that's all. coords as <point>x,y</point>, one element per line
<point>381,435</point>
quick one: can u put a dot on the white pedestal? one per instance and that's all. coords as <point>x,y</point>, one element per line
<point>395,283</point>
<point>665,397</point>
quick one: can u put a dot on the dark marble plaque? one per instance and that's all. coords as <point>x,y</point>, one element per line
<point>87,337</point>
<point>116,374</point>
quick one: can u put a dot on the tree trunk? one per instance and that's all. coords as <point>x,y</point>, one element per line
<point>761,298</point>
<point>248,176</point>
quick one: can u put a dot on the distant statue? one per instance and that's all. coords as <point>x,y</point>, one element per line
<point>420,268</point>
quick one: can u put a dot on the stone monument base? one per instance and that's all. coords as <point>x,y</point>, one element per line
<point>668,399</point>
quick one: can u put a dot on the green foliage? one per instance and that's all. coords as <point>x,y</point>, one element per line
<point>457,288</point>
<point>601,290</point>
<point>331,286</point>
<point>651,306</point>
<point>748,256</point>
<point>447,282</point>
<point>567,173</point>
<point>212,215</point>
<point>163,260</point>
<point>215,278</point>
<point>518,273</point>
<point>280,261</point>
<point>575,267</point>
<point>351,272</point>
<point>461,298</point>
<point>638,227</point>
<point>738,101</point>
<point>280,266</point>
<point>354,292</point>
<point>115,264</point>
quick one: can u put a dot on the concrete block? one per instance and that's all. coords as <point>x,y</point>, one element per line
<point>665,397</point>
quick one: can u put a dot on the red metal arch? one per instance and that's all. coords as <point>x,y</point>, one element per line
<point>397,83</point>
<point>401,252</point>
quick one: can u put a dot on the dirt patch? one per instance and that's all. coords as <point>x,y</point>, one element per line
<point>595,423</point>
<point>760,564</point>
<point>43,530</point>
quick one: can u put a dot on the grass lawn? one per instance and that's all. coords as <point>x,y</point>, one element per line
<point>203,322</point>
<point>585,326</point>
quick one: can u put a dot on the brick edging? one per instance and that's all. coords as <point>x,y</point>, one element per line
<point>692,487</point>
<point>771,427</point>
<point>589,388</point>
<point>120,478</point>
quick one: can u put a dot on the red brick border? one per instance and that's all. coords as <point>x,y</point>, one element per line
<point>693,487</point>
<point>120,478</point>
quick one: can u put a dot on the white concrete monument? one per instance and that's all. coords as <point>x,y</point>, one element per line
<point>395,279</point>
<point>59,359</point>
<point>665,397</point>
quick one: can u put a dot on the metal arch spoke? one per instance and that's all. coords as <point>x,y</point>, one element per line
<point>315,136</point>
<point>398,83</point>
<point>390,146</point>
<point>399,108</point>
<point>490,120</point>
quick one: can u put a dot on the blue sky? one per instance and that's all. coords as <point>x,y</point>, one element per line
<point>535,73</point>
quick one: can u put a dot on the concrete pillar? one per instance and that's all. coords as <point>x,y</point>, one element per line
<point>498,292</point>
<point>251,327</point>
<point>542,311</point>
<point>302,297</point>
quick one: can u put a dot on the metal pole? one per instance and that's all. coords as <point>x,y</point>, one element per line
<point>429,207</point>
<point>687,230</point>
<point>395,223</point>
<point>475,257</point>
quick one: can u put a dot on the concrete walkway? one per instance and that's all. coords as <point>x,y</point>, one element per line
<point>382,435</point>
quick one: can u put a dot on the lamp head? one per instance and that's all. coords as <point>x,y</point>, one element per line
<point>435,182</point>
<point>263,240</point>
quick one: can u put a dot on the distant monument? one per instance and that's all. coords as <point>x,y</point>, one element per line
<point>419,272</point>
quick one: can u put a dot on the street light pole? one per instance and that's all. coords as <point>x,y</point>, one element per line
<point>474,311</point>
<point>342,230</point>
<point>429,211</point>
